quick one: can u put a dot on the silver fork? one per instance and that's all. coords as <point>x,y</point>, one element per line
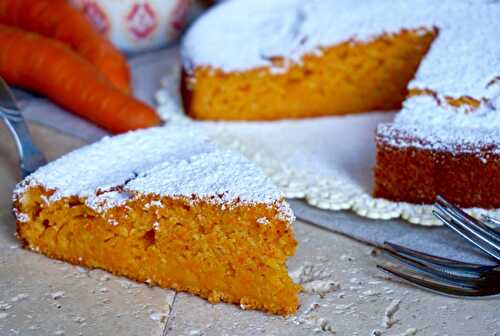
<point>470,228</point>
<point>30,157</point>
<point>448,276</point>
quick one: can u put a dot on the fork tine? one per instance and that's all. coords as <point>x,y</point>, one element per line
<point>464,218</point>
<point>433,258</point>
<point>443,265</point>
<point>469,234</point>
<point>474,228</point>
<point>438,274</point>
<point>449,289</point>
<point>491,220</point>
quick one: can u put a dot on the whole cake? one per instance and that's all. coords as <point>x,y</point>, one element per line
<point>167,207</point>
<point>438,61</point>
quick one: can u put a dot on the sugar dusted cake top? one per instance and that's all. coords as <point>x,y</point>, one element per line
<point>165,161</point>
<point>423,123</point>
<point>463,60</point>
<point>239,35</point>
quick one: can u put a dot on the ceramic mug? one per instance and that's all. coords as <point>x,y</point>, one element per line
<point>136,25</point>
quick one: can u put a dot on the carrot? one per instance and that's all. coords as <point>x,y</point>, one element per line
<point>50,67</point>
<point>59,20</point>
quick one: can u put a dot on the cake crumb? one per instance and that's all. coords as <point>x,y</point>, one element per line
<point>127,284</point>
<point>105,277</point>
<point>158,316</point>
<point>389,319</point>
<point>355,281</point>
<point>324,325</point>
<point>309,272</point>
<point>409,332</point>
<point>19,297</point>
<point>345,257</point>
<point>5,306</point>
<point>321,287</point>
<point>309,318</point>
<point>311,308</point>
<point>79,320</point>
<point>371,292</point>
<point>57,295</point>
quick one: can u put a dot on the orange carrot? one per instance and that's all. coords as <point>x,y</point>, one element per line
<point>50,67</point>
<point>59,20</point>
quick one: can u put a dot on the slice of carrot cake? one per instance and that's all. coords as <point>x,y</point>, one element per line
<point>165,206</point>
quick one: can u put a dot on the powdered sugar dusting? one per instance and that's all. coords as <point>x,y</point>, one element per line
<point>154,203</point>
<point>22,217</point>
<point>107,200</point>
<point>263,220</point>
<point>462,61</point>
<point>450,129</point>
<point>113,161</point>
<point>165,161</point>
<point>213,174</point>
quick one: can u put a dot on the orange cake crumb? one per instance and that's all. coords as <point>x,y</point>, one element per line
<point>347,78</point>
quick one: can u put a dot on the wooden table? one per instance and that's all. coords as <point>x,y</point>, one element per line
<point>40,296</point>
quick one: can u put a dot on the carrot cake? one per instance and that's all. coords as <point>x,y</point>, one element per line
<point>437,61</point>
<point>167,207</point>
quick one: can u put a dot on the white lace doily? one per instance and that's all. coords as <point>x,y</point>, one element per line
<point>327,161</point>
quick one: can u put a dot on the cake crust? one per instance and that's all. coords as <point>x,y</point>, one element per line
<point>415,169</point>
<point>418,175</point>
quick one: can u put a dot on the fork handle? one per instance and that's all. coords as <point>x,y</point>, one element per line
<point>30,157</point>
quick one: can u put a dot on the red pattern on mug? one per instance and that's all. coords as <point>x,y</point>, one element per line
<point>141,21</point>
<point>97,15</point>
